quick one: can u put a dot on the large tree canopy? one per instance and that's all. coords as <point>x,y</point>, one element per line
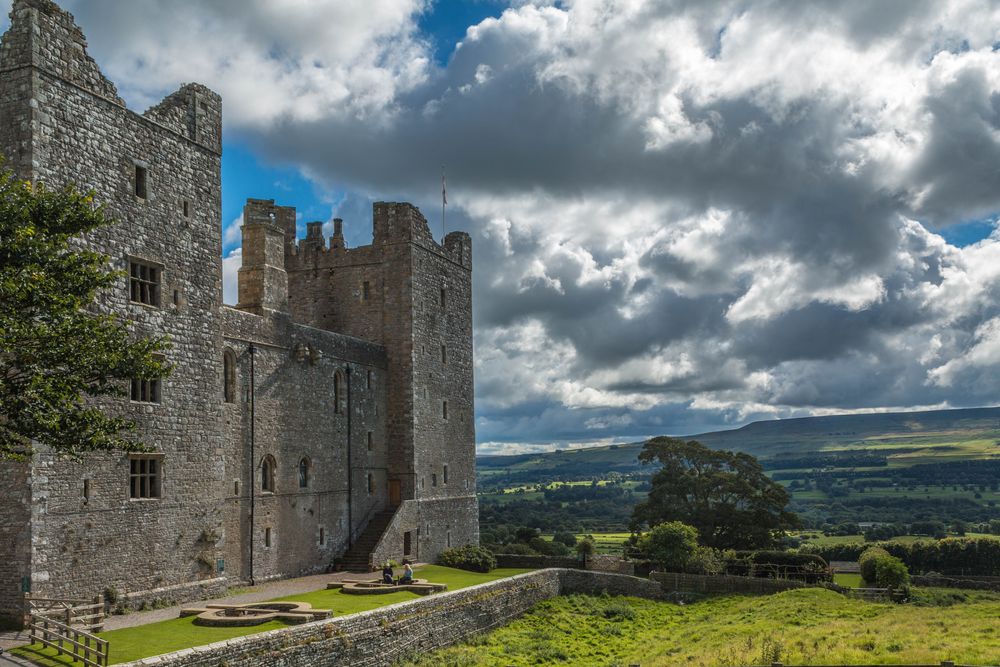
<point>55,351</point>
<point>725,495</point>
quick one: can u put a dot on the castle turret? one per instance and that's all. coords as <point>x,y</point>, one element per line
<point>263,283</point>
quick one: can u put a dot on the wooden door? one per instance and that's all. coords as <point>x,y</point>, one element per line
<point>394,492</point>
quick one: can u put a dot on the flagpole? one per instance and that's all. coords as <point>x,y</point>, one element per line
<point>444,201</point>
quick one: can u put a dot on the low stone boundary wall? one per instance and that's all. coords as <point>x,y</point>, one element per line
<point>702,583</point>
<point>967,582</point>
<point>381,636</point>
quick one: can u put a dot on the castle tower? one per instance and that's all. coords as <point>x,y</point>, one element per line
<point>414,297</point>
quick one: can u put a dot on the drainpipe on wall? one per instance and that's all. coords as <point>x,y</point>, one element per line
<point>350,470</point>
<point>253,460</point>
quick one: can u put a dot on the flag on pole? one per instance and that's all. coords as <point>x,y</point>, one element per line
<point>444,189</point>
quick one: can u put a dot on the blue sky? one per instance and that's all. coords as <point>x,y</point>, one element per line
<point>685,216</point>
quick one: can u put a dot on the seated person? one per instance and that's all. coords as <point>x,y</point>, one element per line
<point>407,577</point>
<point>387,573</point>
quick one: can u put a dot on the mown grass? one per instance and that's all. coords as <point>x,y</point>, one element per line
<point>179,633</point>
<point>800,627</point>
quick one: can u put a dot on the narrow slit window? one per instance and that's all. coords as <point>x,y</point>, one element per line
<point>86,490</point>
<point>369,438</point>
<point>368,380</point>
<point>229,376</point>
<point>267,537</point>
<point>339,395</point>
<point>434,479</point>
<point>444,476</point>
<point>141,182</point>
<point>366,291</point>
<point>444,297</point>
<point>267,467</point>
<point>444,353</point>
<point>371,484</point>
<point>444,409</point>
<point>322,536</point>
<point>187,209</point>
<point>303,473</point>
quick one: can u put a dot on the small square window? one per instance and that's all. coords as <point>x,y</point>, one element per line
<point>141,182</point>
<point>144,283</point>
<point>145,391</point>
<point>144,475</point>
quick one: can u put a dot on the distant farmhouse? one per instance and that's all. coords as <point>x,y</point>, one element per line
<point>326,419</point>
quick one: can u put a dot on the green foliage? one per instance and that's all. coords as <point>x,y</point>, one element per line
<point>55,351</point>
<point>868,562</point>
<point>564,537</point>
<point>725,495</point>
<point>547,548</point>
<point>586,546</point>
<point>781,564</point>
<point>890,572</point>
<point>953,555</point>
<point>469,557</point>
<point>801,627</point>
<point>670,545</point>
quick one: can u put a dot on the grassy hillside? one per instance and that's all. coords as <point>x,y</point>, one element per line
<point>801,627</point>
<point>905,437</point>
<point>896,468</point>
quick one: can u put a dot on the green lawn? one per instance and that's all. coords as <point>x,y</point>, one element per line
<point>156,638</point>
<point>799,627</point>
<point>847,579</point>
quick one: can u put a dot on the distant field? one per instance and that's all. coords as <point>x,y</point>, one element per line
<point>800,627</point>
<point>822,540</point>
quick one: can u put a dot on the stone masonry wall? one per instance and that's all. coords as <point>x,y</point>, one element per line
<point>296,419</point>
<point>63,123</point>
<point>379,637</point>
<point>15,537</point>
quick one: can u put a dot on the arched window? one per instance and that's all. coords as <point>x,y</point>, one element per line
<point>339,393</point>
<point>267,467</point>
<point>229,375</point>
<point>304,473</point>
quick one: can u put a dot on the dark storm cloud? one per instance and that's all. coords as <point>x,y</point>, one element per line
<point>684,213</point>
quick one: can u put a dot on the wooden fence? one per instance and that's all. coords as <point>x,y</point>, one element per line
<point>81,614</point>
<point>81,646</point>
<point>66,625</point>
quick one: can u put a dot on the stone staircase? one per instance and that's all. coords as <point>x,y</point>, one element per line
<point>356,559</point>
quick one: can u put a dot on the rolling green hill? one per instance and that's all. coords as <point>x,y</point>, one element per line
<point>902,438</point>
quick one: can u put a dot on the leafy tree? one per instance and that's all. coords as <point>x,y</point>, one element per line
<point>725,495</point>
<point>868,562</point>
<point>670,545</point>
<point>586,546</point>
<point>56,351</point>
<point>567,538</point>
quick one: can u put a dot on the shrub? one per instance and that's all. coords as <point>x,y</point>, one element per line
<point>546,548</point>
<point>670,545</point>
<point>890,572</point>
<point>565,537</point>
<point>868,562</point>
<point>586,546</point>
<point>469,557</point>
<point>782,564</point>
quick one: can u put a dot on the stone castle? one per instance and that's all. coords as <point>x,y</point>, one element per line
<point>325,420</point>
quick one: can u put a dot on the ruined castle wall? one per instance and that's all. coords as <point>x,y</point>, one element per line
<point>295,418</point>
<point>81,133</point>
